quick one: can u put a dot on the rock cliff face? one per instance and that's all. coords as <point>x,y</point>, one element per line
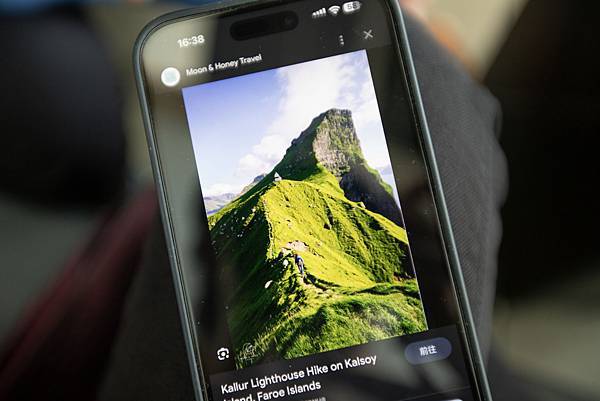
<point>362,184</point>
<point>331,140</point>
<point>335,143</point>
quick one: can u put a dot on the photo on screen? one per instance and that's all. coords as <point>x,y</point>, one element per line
<point>303,211</point>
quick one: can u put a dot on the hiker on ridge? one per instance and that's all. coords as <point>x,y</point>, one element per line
<point>300,263</point>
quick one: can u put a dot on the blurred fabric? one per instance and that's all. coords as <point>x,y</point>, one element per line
<point>61,349</point>
<point>75,214</point>
<point>546,78</point>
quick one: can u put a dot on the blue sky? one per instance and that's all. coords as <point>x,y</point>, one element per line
<point>242,126</point>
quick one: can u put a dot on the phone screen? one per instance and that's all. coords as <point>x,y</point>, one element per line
<point>303,219</point>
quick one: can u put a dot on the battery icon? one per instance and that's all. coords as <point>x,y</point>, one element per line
<point>351,7</point>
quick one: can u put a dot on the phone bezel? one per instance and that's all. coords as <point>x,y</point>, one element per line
<point>451,253</point>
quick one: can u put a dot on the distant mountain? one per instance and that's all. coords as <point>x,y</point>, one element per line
<point>213,204</point>
<point>255,181</point>
<point>323,202</point>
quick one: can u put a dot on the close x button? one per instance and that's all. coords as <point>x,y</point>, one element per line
<point>435,349</point>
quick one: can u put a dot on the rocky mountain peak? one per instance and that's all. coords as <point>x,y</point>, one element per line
<point>331,141</point>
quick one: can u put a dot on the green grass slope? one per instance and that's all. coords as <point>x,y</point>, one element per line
<point>358,286</point>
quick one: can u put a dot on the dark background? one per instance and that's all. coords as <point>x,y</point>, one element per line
<point>541,59</point>
<point>546,77</point>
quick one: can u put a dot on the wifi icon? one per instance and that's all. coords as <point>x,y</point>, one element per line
<point>334,10</point>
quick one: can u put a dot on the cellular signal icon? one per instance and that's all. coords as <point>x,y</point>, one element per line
<point>334,10</point>
<point>320,13</point>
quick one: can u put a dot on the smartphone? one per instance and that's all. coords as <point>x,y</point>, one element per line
<point>309,240</point>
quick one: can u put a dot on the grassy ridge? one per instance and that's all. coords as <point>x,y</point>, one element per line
<point>358,286</point>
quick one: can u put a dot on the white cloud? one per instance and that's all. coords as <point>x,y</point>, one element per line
<point>269,148</point>
<point>249,164</point>
<point>367,110</point>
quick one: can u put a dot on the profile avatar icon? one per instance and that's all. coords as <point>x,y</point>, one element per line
<point>170,77</point>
